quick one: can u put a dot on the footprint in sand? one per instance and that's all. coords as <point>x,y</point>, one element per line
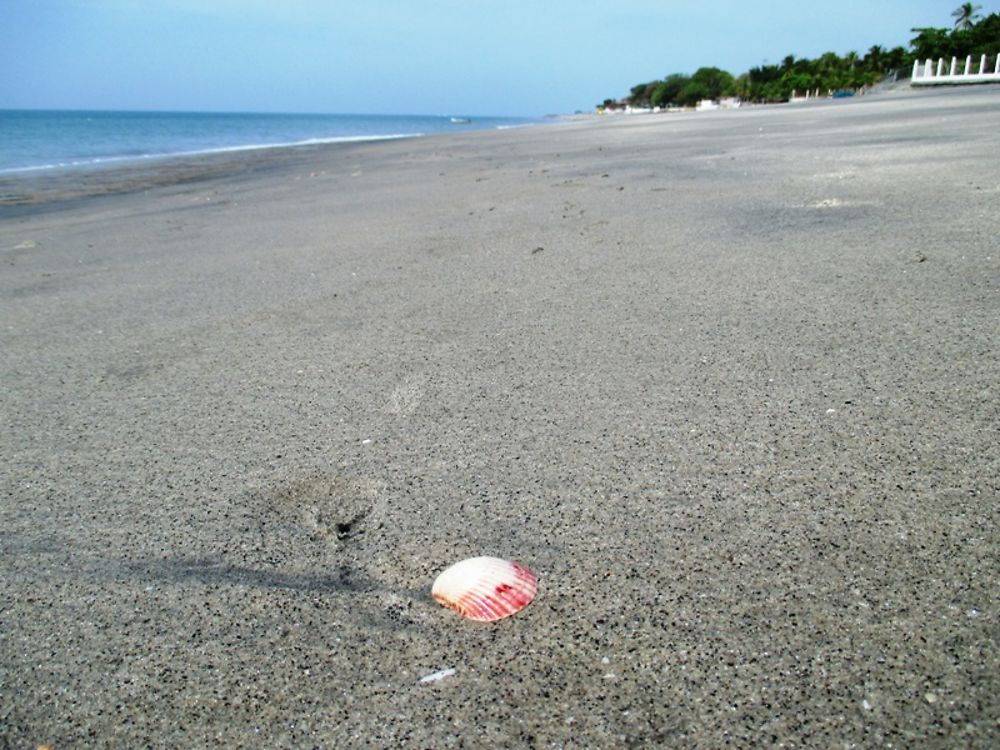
<point>330,508</point>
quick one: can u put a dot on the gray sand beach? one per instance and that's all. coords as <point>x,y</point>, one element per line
<point>725,381</point>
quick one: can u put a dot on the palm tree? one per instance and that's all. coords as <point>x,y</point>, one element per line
<point>966,15</point>
<point>875,59</point>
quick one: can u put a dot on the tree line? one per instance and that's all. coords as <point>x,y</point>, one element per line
<point>971,35</point>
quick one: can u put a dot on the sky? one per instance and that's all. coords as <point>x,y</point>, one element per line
<point>473,57</point>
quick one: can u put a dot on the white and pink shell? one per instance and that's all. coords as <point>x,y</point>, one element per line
<point>485,588</point>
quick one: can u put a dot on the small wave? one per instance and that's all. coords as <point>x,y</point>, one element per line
<point>105,160</point>
<point>75,163</point>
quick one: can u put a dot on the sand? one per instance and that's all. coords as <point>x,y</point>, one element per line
<point>726,381</point>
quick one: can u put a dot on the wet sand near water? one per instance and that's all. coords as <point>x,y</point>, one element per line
<point>725,381</point>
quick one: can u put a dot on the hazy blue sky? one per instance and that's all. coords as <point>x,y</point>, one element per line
<point>517,57</point>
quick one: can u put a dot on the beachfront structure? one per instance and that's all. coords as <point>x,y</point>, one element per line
<point>797,97</point>
<point>929,73</point>
<point>728,102</point>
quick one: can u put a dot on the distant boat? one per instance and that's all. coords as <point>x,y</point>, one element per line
<point>460,120</point>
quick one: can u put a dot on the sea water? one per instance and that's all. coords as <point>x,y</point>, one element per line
<point>33,140</point>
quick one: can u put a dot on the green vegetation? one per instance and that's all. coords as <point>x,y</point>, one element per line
<point>971,35</point>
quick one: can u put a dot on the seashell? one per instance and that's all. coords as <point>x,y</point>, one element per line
<point>485,588</point>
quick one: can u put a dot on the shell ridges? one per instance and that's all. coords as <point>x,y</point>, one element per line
<point>485,588</point>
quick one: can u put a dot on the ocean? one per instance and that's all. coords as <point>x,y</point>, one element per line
<point>32,140</point>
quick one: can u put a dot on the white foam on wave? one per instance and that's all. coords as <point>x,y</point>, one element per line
<point>104,160</point>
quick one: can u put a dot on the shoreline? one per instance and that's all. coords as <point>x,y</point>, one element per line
<point>44,183</point>
<point>42,187</point>
<point>25,191</point>
<point>127,161</point>
<point>725,383</point>
<point>38,190</point>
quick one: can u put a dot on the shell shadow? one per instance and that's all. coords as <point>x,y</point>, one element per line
<point>217,572</point>
<point>381,606</point>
